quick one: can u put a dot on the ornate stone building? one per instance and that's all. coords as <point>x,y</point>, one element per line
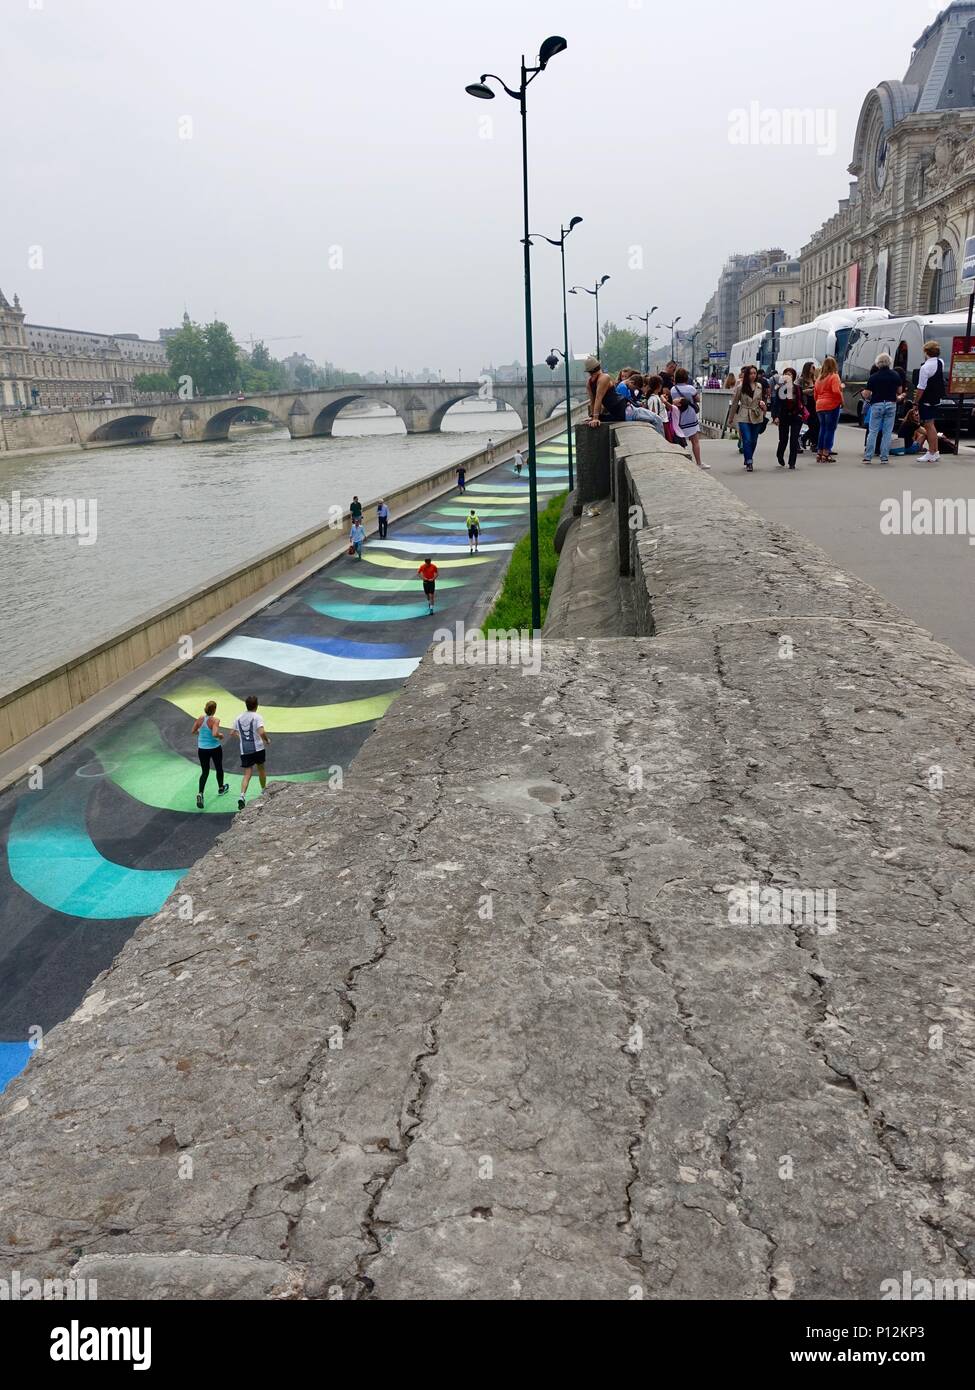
<point>64,367</point>
<point>897,240</point>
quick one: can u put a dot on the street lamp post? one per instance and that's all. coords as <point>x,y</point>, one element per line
<point>560,243</point>
<point>671,326</point>
<point>645,320</point>
<point>480,89</point>
<point>595,291</point>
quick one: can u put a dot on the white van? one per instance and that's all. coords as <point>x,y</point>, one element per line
<point>904,340</point>
<point>827,335</point>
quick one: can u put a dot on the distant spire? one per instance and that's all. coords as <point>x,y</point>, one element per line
<point>3,301</point>
<point>186,318</point>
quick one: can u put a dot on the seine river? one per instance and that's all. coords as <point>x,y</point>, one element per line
<point>172,516</point>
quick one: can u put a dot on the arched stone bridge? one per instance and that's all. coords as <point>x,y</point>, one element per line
<point>307,414</point>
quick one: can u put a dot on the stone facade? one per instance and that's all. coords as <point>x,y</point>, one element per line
<point>64,367</point>
<point>897,240</point>
<point>773,290</point>
<point>737,269</point>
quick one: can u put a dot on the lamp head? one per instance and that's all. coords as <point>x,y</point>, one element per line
<point>552,361</point>
<point>481,90</point>
<point>574,223</point>
<point>548,50</point>
<point>604,279</point>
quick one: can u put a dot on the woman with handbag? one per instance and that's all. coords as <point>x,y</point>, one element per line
<point>747,412</point>
<point>685,397</point>
<point>790,414</point>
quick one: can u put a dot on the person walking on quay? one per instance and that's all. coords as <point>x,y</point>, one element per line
<point>807,388</point>
<point>790,413</point>
<point>685,398</point>
<point>747,412</point>
<point>519,461</point>
<point>428,572</point>
<point>604,403</point>
<point>730,382</point>
<point>462,478</point>
<point>473,529</point>
<point>254,739</point>
<point>931,391</point>
<point>355,509</point>
<point>382,518</point>
<point>356,536</point>
<point>882,392</point>
<point>209,746</point>
<point>828,392</point>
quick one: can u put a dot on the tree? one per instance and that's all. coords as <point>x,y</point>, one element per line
<point>186,351</point>
<point>157,383</point>
<point>208,356</point>
<point>620,348</point>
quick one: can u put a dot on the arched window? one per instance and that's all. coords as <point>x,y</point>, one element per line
<point>943,288</point>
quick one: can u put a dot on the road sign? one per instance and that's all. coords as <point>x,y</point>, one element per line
<point>968,267</point>
<point>717,355</point>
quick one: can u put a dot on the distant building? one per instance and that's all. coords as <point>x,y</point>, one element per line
<point>722,309</point>
<point>63,367</point>
<point>896,240</point>
<point>769,299</point>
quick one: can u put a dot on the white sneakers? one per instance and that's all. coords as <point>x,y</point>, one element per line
<point>927,457</point>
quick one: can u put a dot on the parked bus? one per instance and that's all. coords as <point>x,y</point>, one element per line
<point>757,350</point>
<point>904,339</point>
<point>828,335</point>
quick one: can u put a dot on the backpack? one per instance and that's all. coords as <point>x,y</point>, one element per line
<point>248,739</point>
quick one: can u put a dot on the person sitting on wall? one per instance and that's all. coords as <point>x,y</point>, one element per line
<point>604,403</point>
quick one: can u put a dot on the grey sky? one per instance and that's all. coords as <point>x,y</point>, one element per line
<point>321,124</point>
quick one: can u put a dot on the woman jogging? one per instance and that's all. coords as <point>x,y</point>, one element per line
<point>428,573</point>
<point>747,412</point>
<point>209,746</point>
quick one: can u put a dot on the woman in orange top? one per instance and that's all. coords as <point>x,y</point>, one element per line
<point>828,393</point>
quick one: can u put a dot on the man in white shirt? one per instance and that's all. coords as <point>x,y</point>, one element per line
<point>931,390</point>
<point>253,738</point>
<point>519,460</point>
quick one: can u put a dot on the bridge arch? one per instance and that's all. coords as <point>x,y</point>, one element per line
<point>438,412</point>
<point>324,421</point>
<point>134,428</point>
<point>218,426</point>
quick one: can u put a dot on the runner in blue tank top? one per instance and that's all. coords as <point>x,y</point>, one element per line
<point>209,746</point>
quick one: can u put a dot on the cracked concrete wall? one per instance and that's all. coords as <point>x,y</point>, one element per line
<point>479,1025</point>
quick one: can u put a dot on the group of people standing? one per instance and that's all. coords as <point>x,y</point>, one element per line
<point>667,400</point>
<point>814,399</point>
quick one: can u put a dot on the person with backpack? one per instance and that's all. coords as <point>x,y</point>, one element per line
<point>685,398</point>
<point>473,525</point>
<point>930,393</point>
<point>253,738</point>
<point>209,746</point>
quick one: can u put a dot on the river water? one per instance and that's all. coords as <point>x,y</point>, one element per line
<point>172,516</point>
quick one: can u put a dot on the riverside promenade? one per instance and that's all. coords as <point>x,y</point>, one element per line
<point>523,1013</point>
<point>114,828</point>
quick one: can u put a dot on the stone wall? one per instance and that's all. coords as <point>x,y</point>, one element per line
<point>489,1022</point>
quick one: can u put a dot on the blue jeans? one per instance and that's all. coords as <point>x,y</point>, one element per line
<point>882,415</point>
<point>828,420</point>
<point>749,438</point>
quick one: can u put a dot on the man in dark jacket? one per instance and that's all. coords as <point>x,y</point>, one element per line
<point>883,390</point>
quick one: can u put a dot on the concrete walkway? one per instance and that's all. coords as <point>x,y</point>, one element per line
<point>492,1023</point>
<point>838,506</point>
<point>114,827</point>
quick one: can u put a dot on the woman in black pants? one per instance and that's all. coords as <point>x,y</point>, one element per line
<point>788,410</point>
<point>210,748</point>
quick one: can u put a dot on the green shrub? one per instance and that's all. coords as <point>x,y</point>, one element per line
<point>514,605</point>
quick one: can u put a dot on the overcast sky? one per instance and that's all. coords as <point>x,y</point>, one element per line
<point>313,172</point>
